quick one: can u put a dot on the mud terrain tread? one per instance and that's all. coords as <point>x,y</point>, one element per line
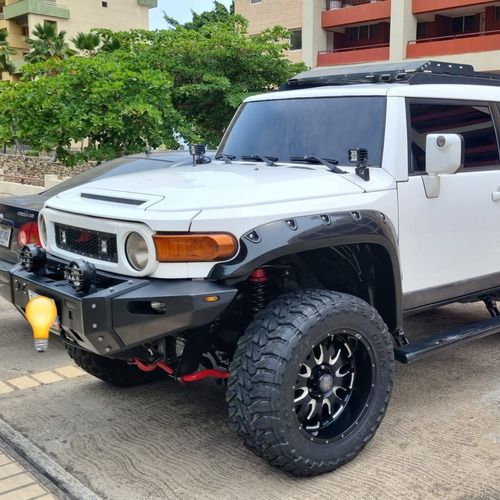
<point>113,371</point>
<point>253,380</point>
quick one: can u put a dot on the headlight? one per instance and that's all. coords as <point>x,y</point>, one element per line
<point>136,250</point>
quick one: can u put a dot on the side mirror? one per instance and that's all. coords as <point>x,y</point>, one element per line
<point>444,154</point>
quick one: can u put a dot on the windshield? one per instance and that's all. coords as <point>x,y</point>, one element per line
<point>325,127</point>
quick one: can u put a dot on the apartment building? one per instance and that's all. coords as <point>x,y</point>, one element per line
<point>19,17</point>
<point>341,32</point>
<point>268,13</point>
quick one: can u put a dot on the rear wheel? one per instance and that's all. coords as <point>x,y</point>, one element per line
<point>310,380</point>
<point>113,371</point>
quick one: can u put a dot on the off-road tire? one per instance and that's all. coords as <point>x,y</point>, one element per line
<point>270,363</point>
<point>113,371</point>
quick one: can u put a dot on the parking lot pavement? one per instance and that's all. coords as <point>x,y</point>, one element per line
<point>440,438</point>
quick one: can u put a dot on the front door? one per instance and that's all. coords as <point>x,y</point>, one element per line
<point>450,245</point>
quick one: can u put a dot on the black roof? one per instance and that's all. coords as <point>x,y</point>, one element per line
<point>410,72</point>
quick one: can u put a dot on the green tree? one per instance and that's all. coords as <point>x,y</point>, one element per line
<point>89,44</point>
<point>48,44</point>
<point>155,87</point>
<point>214,69</point>
<point>5,52</point>
<point>118,103</point>
<point>219,14</point>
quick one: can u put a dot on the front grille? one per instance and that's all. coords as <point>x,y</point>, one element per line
<point>86,242</point>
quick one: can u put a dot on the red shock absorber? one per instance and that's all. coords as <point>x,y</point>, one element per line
<point>258,290</point>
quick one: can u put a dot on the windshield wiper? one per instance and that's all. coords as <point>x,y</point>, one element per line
<point>268,160</point>
<point>327,162</point>
<point>225,157</point>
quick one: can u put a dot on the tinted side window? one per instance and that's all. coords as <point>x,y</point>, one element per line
<point>473,123</point>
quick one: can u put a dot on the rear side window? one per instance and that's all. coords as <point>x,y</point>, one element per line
<point>473,122</point>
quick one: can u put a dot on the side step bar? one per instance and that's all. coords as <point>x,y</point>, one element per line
<point>416,350</point>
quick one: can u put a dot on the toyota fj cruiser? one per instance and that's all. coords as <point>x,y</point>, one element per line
<point>333,208</point>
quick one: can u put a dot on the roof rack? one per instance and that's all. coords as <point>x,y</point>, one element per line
<point>410,72</point>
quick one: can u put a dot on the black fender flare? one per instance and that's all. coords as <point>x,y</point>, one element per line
<point>298,234</point>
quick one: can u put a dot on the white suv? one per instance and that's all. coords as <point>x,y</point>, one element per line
<point>334,207</point>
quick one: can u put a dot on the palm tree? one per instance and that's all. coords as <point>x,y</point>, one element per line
<point>48,44</point>
<point>5,52</point>
<point>109,43</point>
<point>87,43</point>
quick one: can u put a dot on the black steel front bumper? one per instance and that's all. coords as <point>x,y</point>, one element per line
<point>119,317</point>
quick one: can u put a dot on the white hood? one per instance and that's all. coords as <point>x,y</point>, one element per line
<point>204,187</point>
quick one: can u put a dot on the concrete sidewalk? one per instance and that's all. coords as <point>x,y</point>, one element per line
<point>17,483</point>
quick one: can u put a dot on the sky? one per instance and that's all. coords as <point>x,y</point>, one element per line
<point>180,10</point>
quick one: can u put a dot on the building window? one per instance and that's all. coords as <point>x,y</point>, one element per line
<point>497,14</point>
<point>296,40</point>
<point>464,24</point>
<point>255,1</point>
<point>104,4</point>
<point>54,23</point>
<point>363,32</point>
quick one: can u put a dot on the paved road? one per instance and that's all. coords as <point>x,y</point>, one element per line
<point>439,439</point>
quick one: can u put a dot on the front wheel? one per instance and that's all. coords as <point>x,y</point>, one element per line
<point>310,380</point>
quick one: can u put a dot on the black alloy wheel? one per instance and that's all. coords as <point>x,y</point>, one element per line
<point>332,386</point>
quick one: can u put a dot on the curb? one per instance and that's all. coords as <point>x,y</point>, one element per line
<point>56,474</point>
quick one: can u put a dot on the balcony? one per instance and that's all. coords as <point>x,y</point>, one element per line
<point>18,64</point>
<point>41,7</point>
<point>148,3</point>
<point>462,43</point>
<point>367,53</point>
<point>340,4</point>
<point>424,6</point>
<point>360,11</point>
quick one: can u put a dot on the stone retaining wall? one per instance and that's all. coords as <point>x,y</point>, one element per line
<point>33,166</point>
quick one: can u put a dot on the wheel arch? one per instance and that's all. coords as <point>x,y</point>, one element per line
<point>325,242</point>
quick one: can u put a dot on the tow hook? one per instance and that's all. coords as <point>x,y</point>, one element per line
<point>183,379</point>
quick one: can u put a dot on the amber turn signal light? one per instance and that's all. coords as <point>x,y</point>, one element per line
<point>194,247</point>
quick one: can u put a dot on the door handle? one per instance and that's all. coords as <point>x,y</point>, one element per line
<point>495,196</point>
